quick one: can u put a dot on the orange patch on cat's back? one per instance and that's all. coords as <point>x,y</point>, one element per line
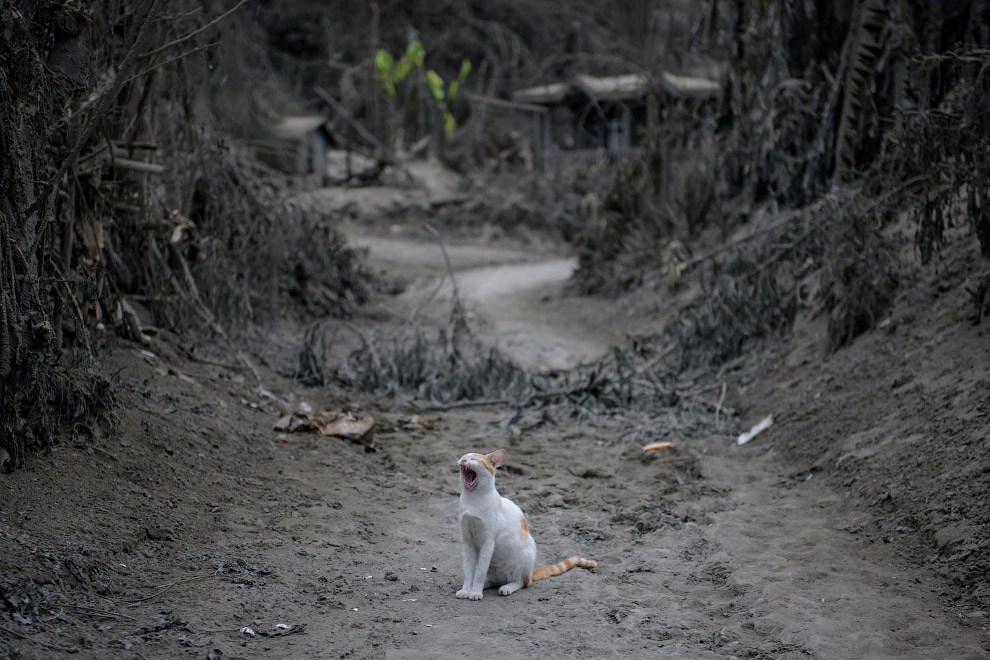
<point>523,529</point>
<point>484,461</point>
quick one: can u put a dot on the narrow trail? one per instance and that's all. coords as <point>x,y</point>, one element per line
<point>517,298</point>
<point>201,520</point>
<point>710,546</point>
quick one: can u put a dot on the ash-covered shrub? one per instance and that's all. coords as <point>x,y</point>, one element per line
<point>452,365</point>
<point>654,205</point>
<point>123,187</point>
<point>859,280</point>
<point>240,250</point>
<point>744,304</point>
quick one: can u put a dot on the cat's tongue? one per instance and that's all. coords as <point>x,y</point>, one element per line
<point>468,477</point>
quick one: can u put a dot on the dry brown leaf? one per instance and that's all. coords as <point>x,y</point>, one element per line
<point>358,430</point>
<point>331,424</point>
<point>295,422</point>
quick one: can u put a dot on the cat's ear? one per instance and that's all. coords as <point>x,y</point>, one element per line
<point>496,457</point>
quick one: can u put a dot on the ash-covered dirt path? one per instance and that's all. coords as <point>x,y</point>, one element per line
<point>196,520</point>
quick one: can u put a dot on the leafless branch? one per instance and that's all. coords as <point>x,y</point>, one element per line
<point>192,34</point>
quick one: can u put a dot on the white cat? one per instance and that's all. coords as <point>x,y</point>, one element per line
<point>496,546</point>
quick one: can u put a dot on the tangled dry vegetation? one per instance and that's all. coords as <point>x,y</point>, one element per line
<point>135,204</point>
<point>800,205</point>
<point>452,367</point>
<point>130,203</point>
<point>129,132</point>
<point>872,111</point>
<point>449,365</point>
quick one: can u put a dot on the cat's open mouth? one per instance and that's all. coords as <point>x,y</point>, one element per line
<point>468,477</point>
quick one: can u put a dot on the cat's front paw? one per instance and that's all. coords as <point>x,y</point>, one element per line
<point>475,595</point>
<point>463,593</point>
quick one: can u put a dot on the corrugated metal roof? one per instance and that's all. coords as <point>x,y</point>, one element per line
<point>618,88</point>
<point>296,127</point>
<point>689,85</point>
<point>612,88</point>
<point>552,93</point>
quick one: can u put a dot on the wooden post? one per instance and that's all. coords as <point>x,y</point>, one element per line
<point>546,140</point>
<point>626,141</point>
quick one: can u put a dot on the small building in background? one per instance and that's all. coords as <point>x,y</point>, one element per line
<point>591,118</point>
<point>298,146</point>
<point>612,108</point>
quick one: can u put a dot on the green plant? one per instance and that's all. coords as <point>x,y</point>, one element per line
<point>443,94</point>
<point>391,71</point>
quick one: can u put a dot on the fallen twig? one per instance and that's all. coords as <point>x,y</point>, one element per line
<point>166,587</point>
<point>478,403</point>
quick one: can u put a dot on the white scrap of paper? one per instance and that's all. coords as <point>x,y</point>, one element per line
<point>763,425</point>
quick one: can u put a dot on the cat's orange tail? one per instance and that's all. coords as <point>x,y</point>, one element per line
<point>562,566</point>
